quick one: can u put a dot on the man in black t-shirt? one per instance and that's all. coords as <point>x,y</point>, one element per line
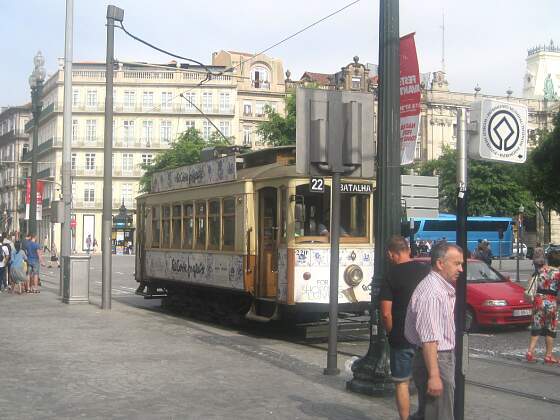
<point>396,290</point>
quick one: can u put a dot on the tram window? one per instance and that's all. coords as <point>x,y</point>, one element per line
<point>312,211</point>
<point>155,227</point>
<point>200,225</point>
<point>228,223</point>
<point>353,215</point>
<point>188,226</point>
<point>283,219</point>
<point>166,226</point>
<point>214,224</point>
<point>176,226</point>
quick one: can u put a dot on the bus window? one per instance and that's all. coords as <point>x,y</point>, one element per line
<point>155,226</point>
<point>228,223</point>
<point>166,227</point>
<point>176,226</point>
<point>188,225</point>
<point>200,225</point>
<point>214,224</point>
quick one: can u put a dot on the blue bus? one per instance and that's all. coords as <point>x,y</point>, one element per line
<point>484,227</point>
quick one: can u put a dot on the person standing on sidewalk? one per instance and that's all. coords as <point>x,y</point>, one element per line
<point>396,290</point>
<point>88,244</point>
<point>430,326</point>
<point>4,259</point>
<point>35,259</point>
<point>544,321</point>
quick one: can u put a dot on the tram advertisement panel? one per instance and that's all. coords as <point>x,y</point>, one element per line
<point>312,274</point>
<point>196,267</point>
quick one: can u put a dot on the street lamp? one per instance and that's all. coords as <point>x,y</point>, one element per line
<point>519,237</point>
<point>36,84</point>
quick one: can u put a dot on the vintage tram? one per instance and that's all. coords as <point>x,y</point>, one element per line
<point>244,232</point>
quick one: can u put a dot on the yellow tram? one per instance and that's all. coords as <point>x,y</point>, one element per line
<point>245,231</point>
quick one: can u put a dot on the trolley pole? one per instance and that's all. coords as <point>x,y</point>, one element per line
<point>114,14</point>
<point>331,368</point>
<point>372,372</point>
<point>461,341</point>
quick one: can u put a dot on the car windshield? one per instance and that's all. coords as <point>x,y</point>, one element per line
<point>479,272</point>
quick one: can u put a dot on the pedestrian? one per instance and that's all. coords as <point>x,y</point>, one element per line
<point>544,320</point>
<point>7,241</point>
<point>95,245</point>
<point>430,326</point>
<point>88,244</point>
<point>35,259</point>
<point>538,257</point>
<point>54,256</point>
<point>4,259</point>
<point>402,278</point>
<point>18,268</point>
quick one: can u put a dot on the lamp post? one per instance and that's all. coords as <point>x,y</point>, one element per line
<point>36,83</point>
<point>519,237</point>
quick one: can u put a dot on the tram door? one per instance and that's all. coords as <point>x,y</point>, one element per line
<point>268,243</point>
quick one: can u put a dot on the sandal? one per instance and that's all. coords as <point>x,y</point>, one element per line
<point>530,357</point>
<point>550,360</point>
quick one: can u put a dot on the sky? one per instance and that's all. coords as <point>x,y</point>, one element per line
<point>486,41</point>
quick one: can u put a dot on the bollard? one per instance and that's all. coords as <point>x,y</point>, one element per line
<point>76,286</point>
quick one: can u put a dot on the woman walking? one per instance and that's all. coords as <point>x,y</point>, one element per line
<point>544,321</point>
<point>18,268</point>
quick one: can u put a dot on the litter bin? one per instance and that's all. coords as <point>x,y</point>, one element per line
<point>76,288</point>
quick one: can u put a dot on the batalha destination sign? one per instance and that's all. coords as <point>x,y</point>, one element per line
<point>203,173</point>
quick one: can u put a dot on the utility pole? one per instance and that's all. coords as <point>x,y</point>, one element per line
<point>65,229</point>
<point>371,372</point>
<point>114,14</point>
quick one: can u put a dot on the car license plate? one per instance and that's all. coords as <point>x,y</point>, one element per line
<point>522,312</point>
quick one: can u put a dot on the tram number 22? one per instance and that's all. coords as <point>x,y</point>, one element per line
<point>317,185</point>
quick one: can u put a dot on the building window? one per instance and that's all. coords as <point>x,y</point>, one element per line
<point>75,97</point>
<point>356,83</point>
<point>166,100</point>
<point>126,195</point>
<point>73,162</point>
<point>224,102</point>
<point>189,124</point>
<point>247,136</point>
<point>147,158</point>
<point>89,192</point>
<point>166,131</point>
<point>176,226</point>
<point>90,161</point>
<point>259,108</point>
<point>74,130</point>
<point>260,77</point>
<point>190,100</point>
<point>224,128</point>
<point>148,100</point>
<point>128,133</point>
<point>91,98</point>
<point>129,99</point>
<point>228,223</point>
<point>188,226</point>
<point>91,131</point>
<point>207,102</point>
<point>206,130</point>
<point>247,109</point>
<point>127,162</point>
<point>25,149</point>
<point>147,129</point>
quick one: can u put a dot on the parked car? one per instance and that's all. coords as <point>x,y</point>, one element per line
<point>551,247</point>
<point>492,298</point>
<point>522,250</point>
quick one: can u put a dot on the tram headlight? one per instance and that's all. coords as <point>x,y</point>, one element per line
<point>353,275</point>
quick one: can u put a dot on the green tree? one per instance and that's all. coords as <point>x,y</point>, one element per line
<point>543,174</point>
<point>184,151</point>
<point>279,130</point>
<point>495,189</point>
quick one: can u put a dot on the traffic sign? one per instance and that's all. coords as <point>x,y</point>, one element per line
<point>500,131</point>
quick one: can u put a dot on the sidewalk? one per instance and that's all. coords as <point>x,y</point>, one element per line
<point>76,361</point>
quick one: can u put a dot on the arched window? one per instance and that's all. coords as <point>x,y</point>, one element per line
<point>260,77</point>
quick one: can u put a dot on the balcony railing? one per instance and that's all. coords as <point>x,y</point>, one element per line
<point>95,172</point>
<point>81,203</point>
<point>135,172</point>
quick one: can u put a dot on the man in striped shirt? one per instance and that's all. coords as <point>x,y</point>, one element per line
<point>430,326</point>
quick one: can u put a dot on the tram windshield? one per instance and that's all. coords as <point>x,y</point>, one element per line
<point>312,215</point>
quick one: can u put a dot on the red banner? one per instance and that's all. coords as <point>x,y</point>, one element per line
<point>40,190</point>
<point>409,98</point>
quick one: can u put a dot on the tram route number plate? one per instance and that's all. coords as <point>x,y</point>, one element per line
<point>317,185</point>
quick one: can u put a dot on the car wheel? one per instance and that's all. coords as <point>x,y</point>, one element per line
<point>470,321</point>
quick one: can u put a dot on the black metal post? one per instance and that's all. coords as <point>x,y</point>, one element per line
<point>332,368</point>
<point>372,372</point>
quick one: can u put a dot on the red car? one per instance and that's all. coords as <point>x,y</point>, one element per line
<point>493,299</point>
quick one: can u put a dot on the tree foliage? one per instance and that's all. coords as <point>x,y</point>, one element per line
<point>495,189</point>
<point>279,130</point>
<point>543,173</point>
<point>184,151</point>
